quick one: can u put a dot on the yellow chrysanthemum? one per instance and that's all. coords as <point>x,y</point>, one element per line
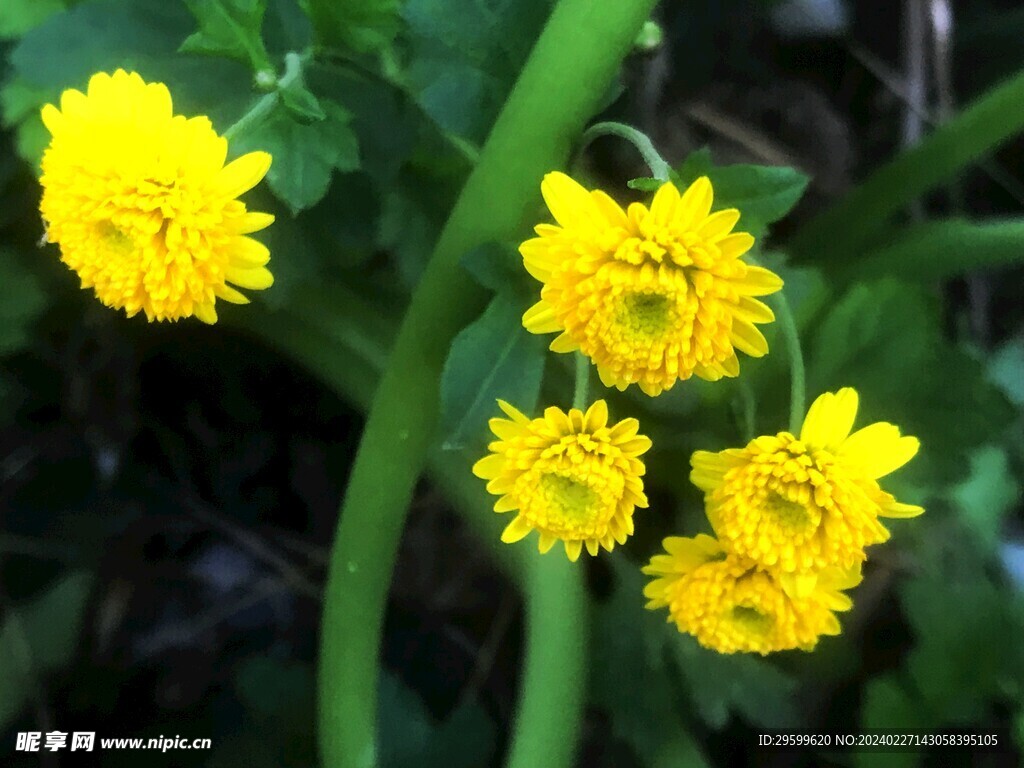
<point>651,296</point>
<point>730,605</point>
<point>142,205</point>
<point>804,503</point>
<point>572,477</point>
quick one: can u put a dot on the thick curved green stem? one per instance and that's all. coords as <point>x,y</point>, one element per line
<point>551,703</point>
<point>582,386</point>
<point>560,86</point>
<point>842,232</point>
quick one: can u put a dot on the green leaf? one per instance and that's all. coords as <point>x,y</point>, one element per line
<point>19,16</point>
<point>721,684</point>
<point>629,677</point>
<point>230,28</point>
<point>887,705</point>
<point>40,638</point>
<point>987,495</point>
<point>365,26</point>
<point>465,55</point>
<point>498,266</point>
<point>305,155</point>
<point>1006,370</point>
<point>763,194</point>
<point>410,737</point>
<point>939,250</point>
<point>962,664</point>
<point>302,103</point>
<point>884,339</point>
<point>22,301</point>
<point>492,358</point>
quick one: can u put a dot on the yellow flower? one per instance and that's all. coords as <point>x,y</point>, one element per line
<point>572,477</point>
<point>730,605</point>
<point>651,296</point>
<point>796,504</point>
<point>142,205</point>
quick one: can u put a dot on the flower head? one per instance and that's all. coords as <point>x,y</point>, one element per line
<point>572,477</point>
<point>808,502</point>
<point>142,205</point>
<point>651,296</point>
<point>730,604</point>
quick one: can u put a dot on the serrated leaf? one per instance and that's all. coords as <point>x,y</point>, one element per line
<point>305,154</point>
<point>763,194</point>
<point>888,705</point>
<point>22,300</point>
<point>962,665</point>
<point>1006,370</point>
<point>409,735</point>
<point>69,47</point>
<point>42,637</point>
<point>884,339</point>
<point>721,684</point>
<point>364,26</point>
<point>987,495</point>
<point>19,16</point>
<point>301,102</point>
<point>230,28</point>
<point>629,679</point>
<point>466,55</point>
<point>492,358</point>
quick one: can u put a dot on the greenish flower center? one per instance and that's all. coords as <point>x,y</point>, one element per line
<point>752,619</point>
<point>646,313</point>
<point>790,515</point>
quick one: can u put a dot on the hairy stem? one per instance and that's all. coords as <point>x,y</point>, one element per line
<point>659,168</point>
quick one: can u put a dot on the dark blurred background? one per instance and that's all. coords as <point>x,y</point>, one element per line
<point>168,493</point>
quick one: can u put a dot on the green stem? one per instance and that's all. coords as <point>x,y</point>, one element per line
<point>551,704</point>
<point>659,168</point>
<point>798,376</point>
<point>579,393</point>
<point>559,88</point>
<point>264,105</point>
<point>842,232</point>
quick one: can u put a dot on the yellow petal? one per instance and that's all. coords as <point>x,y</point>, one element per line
<point>255,279</point>
<point>736,244</point>
<point>695,204</point>
<point>254,221</point>
<point>746,338</point>
<point>758,282</point>
<point>564,343</point>
<point>228,293</point>
<point>570,204</point>
<point>512,412</point>
<point>878,449</point>
<point>515,531</point>
<point>540,318</point>
<point>573,549</point>
<point>206,313</point>
<point>242,174</point>
<point>719,224</point>
<point>597,416</point>
<point>896,509</point>
<point>830,419</point>
<point>664,205</point>
<point>489,466</point>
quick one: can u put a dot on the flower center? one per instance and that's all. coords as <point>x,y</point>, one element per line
<point>568,497</point>
<point>119,242</point>
<point>790,515</point>
<point>646,313</point>
<point>752,619</point>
